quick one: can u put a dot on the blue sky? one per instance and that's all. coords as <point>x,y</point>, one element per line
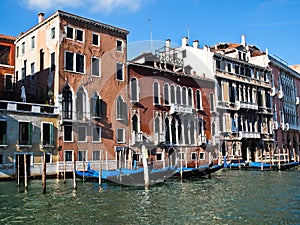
<point>272,24</point>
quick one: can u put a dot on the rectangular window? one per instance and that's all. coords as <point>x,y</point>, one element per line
<point>3,137</point>
<point>181,155</point>
<point>69,64</point>
<point>25,133</point>
<point>47,134</point>
<point>68,155</point>
<point>218,64</point>
<point>201,155</point>
<point>237,69</point>
<point>95,66</point>
<point>8,82</point>
<point>119,45</point>
<point>52,62</point>
<point>68,133</point>
<point>52,32</point>
<point>24,69</point>
<point>120,71</point>
<point>194,156</point>
<point>1,158</point>
<point>120,135</point>
<point>82,134</point>
<point>96,155</point>
<point>158,156</point>
<point>95,39</point>
<point>229,67</point>
<point>17,51</point>
<point>79,63</point>
<point>4,56</point>
<point>32,68</point>
<point>212,102</point>
<point>23,47</point>
<point>70,32</point>
<point>79,35</point>
<point>82,155</point>
<point>96,132</point>
<point>48,157</point>
<point>32,42</point>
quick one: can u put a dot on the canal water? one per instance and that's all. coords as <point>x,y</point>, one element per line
<point>229,197</point>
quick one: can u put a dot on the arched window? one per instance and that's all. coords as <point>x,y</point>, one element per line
<point>166,94</point>
<point>81,104</point>
<point>134,90</point>
<point>198,100</point>
<point>192,132</point>
<point>178,95</point>
<point>156,93</point>
<point>167,130</point>
<point>98,106</point>
<point>173,130</point>
<point>190,97</point>
<point>135,126</point>
<point>157,125</point>
<point>172,92</point>
<point>184,95</point>
<point>67,105</point>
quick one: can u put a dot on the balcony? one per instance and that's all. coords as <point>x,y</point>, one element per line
<point>201,139</point>
<point>245,134</point>
<point>158,138</point>
<point>136,137</point>
<point>248,105</point>
<point>182,109</point>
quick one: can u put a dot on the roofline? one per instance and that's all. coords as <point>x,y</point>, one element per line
<point>74,17</point>
<point>276,62</point>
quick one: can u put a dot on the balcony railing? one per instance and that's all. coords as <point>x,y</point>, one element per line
<point>136,137</point>
<point>201,139</point>
<point>175,108</point>
<point>159,137</point>
<point>245,134</point>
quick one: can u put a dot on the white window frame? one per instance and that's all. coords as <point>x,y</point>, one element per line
<point>52,33</point>
<point>51,132</point>
<point>67,150</point>
<point>93,157</point>
<point>73,32</point>
<point>47,153</point>
<point>72,132</point>
<point>74,63</point>
<point>94,57</point>
<point>32,42</point>
<point>99,135</point>
<point>181,155</point>
<point>85,131</point>
<point>195,154</point>
<point>117,135</point>
<point>85,155</point>
<point>122,45</point>
<point>137,90</point>
<point>98,35</point>
<point>201,155</point>
<point>23,48</point>
<point>83,35</point>
<point>120,63</point>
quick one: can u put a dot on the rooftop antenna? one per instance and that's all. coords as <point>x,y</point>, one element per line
<point>151,38</point>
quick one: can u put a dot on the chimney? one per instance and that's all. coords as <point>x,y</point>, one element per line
<point>185,41</point>
<point>196,44</point>
<point>41,17</point>
<point>168,42</point>
<point>243,39</point>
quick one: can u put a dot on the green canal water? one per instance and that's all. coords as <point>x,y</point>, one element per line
<point>229,197</point>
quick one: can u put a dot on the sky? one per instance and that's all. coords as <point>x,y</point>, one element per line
<point>271,24</point>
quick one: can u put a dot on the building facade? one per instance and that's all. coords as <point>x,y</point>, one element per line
<point>79,66</point>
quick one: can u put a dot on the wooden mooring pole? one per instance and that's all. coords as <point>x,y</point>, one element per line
<point>64,169</point>
<point>18,172</point>
<point>100,168</point>
<point>44,174</point>
<point>25,172</point>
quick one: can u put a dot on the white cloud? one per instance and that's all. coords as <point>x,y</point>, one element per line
<point>105,6</point>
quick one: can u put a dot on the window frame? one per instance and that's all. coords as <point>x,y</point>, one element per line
<point>5,82</point>
<point>52,32</point>
<point>99,66</point>
<point>99,134</point>
<point>69,27</point>
<point>76,35</point>
<point>80,155</point>
<point>70,152</point>
<point>117,135</point>
<point>118,68</point>
<point>119,48</point>
<point>29,126</point>
<point>96,157</point>
<point>79,133</point>
<point>32,42</point>
<point>98,39</point>
<point>51,134</point>
<point>64,133</point>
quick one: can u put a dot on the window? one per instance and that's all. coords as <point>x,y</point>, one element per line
<point>198,100</point>
<point>96,133</point>
<point>95,39</point>
<point>96,66</point>
<point>181,155</point>
<point>133,90</point>
<point>172,93</point>
<point>67,103</point>
<point>229,67</point>
<point>4,56</point>
<point>156,93</point>
<point>194,156</point>
<point>79,35</point>
<point>48,157</point>
<point>74,62</point>
<point>23,47</point>
<point>166,94</point>
<point>24,69</point>
<point>82,155</point>
<point>52,62</point>
<point>17,52</point>
<point>68,155</point>
<point>158,156</point>
<point>52,32</point>
<point>201,155</point>
<point>41,59</point>
<point>1,158</point>
<point>96,155</point>
<point>121,109</point>
<point>190,97</point>
<point>32,68</point>
<point>98,106</point>
<point>47,134</point>
<point>120,75</point>
<point>82,134</point>
<point>68,133</point>
<point>120,135</point>
<point>3,137</point>
<point>32,42</point>
<point>8,82</point>
<point>178,95</point>
<point>184,94</point>
<point>25,132</point>
<point>218,64</point>
<point>81,103</point>
<point>70,32</point>
<point>212,102</point>
<point>119,45</point>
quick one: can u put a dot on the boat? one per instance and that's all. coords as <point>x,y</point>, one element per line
<point>233,164</point>
<point>287,166</point>
<point>128,177</point>
<point>259,166</point>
